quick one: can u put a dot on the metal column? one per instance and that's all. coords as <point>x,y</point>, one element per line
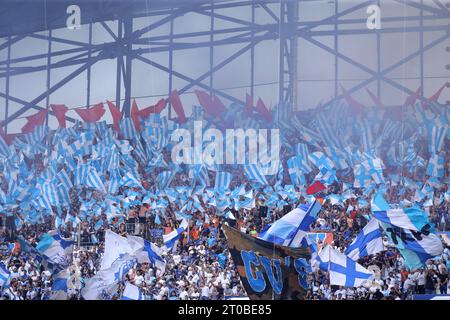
<point>128,28</point>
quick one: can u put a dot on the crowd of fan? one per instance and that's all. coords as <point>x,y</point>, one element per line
<point>201,267</point>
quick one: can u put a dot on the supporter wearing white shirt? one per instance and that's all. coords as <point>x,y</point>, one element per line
<point>176,259</point>
<point>205,292</point>
<point>138,280</point>
<point>409,284</point>
<point>195,279</point>
<point>184,295</point>
<point>341,294</point>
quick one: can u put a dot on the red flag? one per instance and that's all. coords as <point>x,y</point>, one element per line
<point>355,105</point>
<point>116,115</point>
<point>435,97</point>
<point>59,110</point>
<point>248,104</point>
<point>93,114</point>
<point>411,100</point>
<point>315,188</point>
<point>205,101</point>
<point>157,108</point>
<point>135,115</point>
<point>36,119</point>
<point>177,106</point>
<point>218,106</point>
<point>262,109</point>
<point>374,98</point>
<point>7,137</point>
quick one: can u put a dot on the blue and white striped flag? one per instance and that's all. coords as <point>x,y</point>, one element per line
<point>295,171</point>
<point>301,150</point>
<point>4,149</point>
<point>94,181</point>
<point>254,173</point>
<point>436,136</point>
<point>435,166</point>
<point>63,195</point>
<point>368,242</point>
<point>49,193</point>
<point>365,134</point>
<point>171,238</point>
<point>199,175</point>
<point>320,160</point>
<point>37,136</point>
<point>114,181</point>
<point>328,135</point>
<point>64,179</point>
<point>326,176</point>
<point>374,167</point>
<point>127,129</point>
<point>4,275</point>
<point>362,178</point>
<point>164,178</point>
<point>130,180</point>
<point>337,159</point>
<point>81,174</point>
<point>223,180</point>
<point>82,146</point>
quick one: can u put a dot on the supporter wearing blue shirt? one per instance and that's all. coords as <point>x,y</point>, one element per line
<point>222,259</point>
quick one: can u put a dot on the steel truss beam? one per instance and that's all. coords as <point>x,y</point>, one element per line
<point>284,26</point>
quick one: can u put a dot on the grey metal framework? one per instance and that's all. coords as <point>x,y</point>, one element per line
<point>129,43</point>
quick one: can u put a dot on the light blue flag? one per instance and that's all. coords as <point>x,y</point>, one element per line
<point>93,180</point>
<point>55,248</point>
<point>127,129</point>
<point>369,241</point>
<point>59,286</point>
<point>132,292</point>
<point>320,160</point>
<point>4,275</point>
<point>408,229</point>
<point>435,166</point>
<point>223,180</point>
<point>290,230</point>
<point>254,173</point>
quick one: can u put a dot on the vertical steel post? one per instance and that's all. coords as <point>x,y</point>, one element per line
<point>8,66</point>
<point>293,56</point>
<point>88,91</point>
<point>128,26</point>
<point>119,62</point>
<point>379,57</point>
<point>171,62</point>
<point>421,49</point>
<point>49,51</point>
<point>252,55</point>
<point>211,49</point>
<point>336,48</point>
<point>281,38</point>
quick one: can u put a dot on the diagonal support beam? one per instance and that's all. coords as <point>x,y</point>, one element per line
<point>24,103</point>
<point>375,75</point>
<point>186,78</point>
<point>52,89</point>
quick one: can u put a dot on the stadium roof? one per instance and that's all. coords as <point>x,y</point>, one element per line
<point>21,17</point>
